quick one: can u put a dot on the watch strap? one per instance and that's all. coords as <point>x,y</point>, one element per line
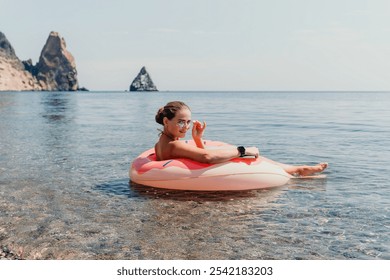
<point>241,150</point>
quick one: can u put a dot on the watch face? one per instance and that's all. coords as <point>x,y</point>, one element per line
<point>241,149</point>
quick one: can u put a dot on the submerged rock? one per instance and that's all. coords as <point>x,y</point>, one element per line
<point>143,82</point>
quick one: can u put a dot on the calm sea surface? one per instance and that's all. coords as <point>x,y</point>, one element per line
<point>65,192</point>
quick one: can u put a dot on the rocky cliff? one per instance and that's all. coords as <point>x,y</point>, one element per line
<point>13,75</point>
<point>143,82</point>
<point>55,70</point>
<point>56,67</point>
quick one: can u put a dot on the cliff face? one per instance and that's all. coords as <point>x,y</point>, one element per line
<point>143,82</point>
<point>13,75</point>
<point>55,71</point>
<point>5,46</point>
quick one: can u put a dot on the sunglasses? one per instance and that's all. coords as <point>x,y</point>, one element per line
<point>183,124</point>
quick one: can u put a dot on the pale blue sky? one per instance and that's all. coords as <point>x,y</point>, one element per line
<point>211,44</point>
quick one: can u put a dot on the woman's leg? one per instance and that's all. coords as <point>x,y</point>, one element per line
<point>301,170</point>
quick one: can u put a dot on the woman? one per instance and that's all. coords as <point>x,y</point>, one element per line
<point>176,119</point>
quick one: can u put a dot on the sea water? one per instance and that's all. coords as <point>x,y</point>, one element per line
<point>65,191</point>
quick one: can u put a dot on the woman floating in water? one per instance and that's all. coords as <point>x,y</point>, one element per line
<point>176,119</point>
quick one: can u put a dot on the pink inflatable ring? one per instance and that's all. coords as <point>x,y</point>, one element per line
<point>184,174</point>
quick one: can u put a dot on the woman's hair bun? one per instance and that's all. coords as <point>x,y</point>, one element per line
<point>160,116</point>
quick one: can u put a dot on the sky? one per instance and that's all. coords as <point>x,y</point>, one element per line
<point>229,45</point>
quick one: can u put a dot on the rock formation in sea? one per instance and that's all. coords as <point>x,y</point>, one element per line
<point>55,70</point>
<point>56,67</point>
<point>143,82</point>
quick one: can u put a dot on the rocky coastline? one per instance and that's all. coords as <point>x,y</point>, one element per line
<point>55,70</point>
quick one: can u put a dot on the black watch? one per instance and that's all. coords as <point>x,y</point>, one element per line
<point>241,150</point>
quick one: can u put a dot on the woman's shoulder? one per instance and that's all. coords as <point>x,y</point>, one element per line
<point>179,144</point>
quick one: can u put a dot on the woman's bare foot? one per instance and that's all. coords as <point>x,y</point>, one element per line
<point>307,170</point>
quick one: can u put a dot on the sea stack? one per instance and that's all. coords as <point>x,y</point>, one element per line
<point>56,67</point>
<point>143,82</point>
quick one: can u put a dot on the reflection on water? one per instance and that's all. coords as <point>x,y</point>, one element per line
<point>199,196</point>
<point>134,190</point>
<point>57,106</point>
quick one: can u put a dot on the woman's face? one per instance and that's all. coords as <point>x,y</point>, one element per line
<point>179,125</point>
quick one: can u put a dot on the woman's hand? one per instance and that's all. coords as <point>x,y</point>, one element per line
<point>197,129</point>
<point>252,151</point>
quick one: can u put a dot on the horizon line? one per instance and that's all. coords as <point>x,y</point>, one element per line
<point>211,91</point>
<point>216,91</point>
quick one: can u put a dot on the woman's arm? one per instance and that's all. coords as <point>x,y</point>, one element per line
<point>182,150</point>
